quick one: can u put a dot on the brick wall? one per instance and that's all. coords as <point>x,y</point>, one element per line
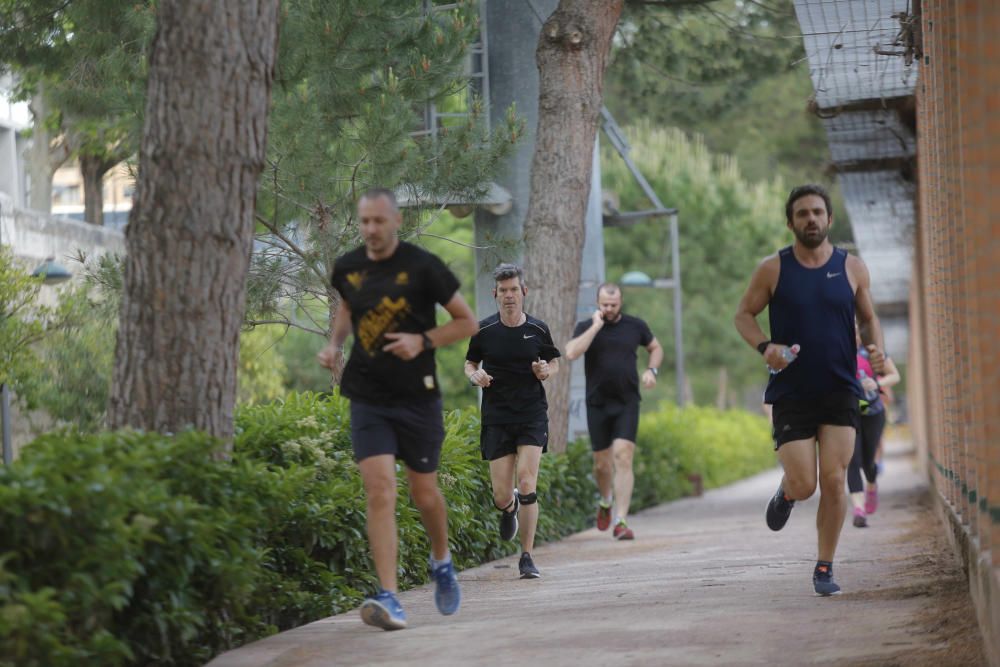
<point>955,300</point>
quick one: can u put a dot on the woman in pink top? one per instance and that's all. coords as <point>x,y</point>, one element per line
<point>866,444</point>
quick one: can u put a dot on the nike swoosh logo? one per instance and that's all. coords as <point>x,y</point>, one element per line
<point>526,336</point>
<point>832,275</point>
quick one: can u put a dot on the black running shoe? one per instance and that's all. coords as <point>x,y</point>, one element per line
<point>779,508</point>
<point>527,567</point>
<point>508,520</point>
<point>823,581</point>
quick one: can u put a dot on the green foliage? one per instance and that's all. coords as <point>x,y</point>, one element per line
<point>720,446</point>
<point>727,225</point>
<point>22,320</point>
<point>711,62</point>
<point>262,370</point>
<point>87,59</point>
<point>353,81</point>
<point>72,377</point>
<point>732,71</point>
<point>298,351</point>
<point>131,549</point>
<point>138,549</point>
<point>451,238</point>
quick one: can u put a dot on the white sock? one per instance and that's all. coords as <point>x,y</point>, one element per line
<point>435,564</point>
<point>607,501</point>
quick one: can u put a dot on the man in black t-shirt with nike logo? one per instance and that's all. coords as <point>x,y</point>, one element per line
<point>608,342</point>
<point>390,290</point>
<point>509,358</point>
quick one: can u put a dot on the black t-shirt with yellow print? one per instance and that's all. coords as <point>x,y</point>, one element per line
<point>397,294</point>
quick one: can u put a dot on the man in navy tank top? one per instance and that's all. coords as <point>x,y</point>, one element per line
<point>813,292</point>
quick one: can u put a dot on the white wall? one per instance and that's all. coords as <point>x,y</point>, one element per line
<point>35,236</point>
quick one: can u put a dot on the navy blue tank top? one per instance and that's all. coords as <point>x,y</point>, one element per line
<point>814,308</point>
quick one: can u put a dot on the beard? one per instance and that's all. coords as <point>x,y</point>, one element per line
<point>811,240</point>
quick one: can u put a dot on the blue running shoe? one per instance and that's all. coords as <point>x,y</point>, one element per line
<point>447,595</point>
<point>527,568</point>
<point>384,611</point>
<point>779,508</point>
<point>823,581</point>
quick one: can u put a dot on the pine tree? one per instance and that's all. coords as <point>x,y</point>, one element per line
<point>354,77</point>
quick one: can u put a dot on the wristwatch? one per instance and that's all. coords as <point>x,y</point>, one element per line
<point>654,371</point>
<point>762,348</point>
<point>428,343</point>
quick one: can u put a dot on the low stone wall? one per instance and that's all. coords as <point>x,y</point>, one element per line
<point>35,236</point>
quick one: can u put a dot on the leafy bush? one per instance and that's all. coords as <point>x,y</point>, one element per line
<point>136,549</point>
<point>124,548</point>
<point>675,443</point>
<point>22,320</point>
<point>72,379</point>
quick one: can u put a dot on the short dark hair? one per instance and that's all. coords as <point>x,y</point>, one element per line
<point>610,288</point>
<point>506,271</point>
<point>375,193</point>
<point>801,191</point>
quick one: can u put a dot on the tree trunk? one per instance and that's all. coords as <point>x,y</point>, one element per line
<point>572,57</point>
<point>93,169</point>
<point>42,157</point>
<point>722,393</point>
<point>191,231</point>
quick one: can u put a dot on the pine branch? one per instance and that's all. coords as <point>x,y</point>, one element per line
<point>464,245</point>
<point>285,322</point>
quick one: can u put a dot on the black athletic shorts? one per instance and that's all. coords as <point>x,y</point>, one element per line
<point>499,440</point>
<point>611,421</point>
<point>800,419</point>
<point>412,432</point>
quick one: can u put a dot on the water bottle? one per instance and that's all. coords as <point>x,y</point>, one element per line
<point>870,394</point>
<point>789,354</point>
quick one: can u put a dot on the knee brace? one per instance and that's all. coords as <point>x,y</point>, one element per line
<point>528,498</point>
<point>509,506</point>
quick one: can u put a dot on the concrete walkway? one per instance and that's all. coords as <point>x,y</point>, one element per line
<point>705,583</point>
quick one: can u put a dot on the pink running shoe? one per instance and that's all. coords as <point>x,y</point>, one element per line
<point>871,499</point>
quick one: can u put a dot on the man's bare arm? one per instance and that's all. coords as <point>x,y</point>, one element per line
<point>655,353</point>
<point>755,300</point>
<point>332,356</point>
<point>577,346</point>
<point>463,323</point>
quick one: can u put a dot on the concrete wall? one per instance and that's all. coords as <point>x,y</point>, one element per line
<point>955,307</point>
<point>35,236</point>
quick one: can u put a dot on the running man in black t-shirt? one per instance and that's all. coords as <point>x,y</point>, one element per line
<point>608,342</point>
<point>509,358</point>
<point>389,292</point>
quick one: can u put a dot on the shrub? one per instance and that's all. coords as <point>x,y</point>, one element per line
<point>720,446</point>
<point>124,548</point>
<point>137,549</point>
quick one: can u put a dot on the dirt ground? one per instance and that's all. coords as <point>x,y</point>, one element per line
<point>947,619</point>
<point>704,583</point>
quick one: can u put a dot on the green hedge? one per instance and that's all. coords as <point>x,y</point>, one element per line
<point>140,549</point>
<point>720,447</point>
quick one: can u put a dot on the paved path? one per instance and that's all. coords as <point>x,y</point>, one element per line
<point>705,583</point>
